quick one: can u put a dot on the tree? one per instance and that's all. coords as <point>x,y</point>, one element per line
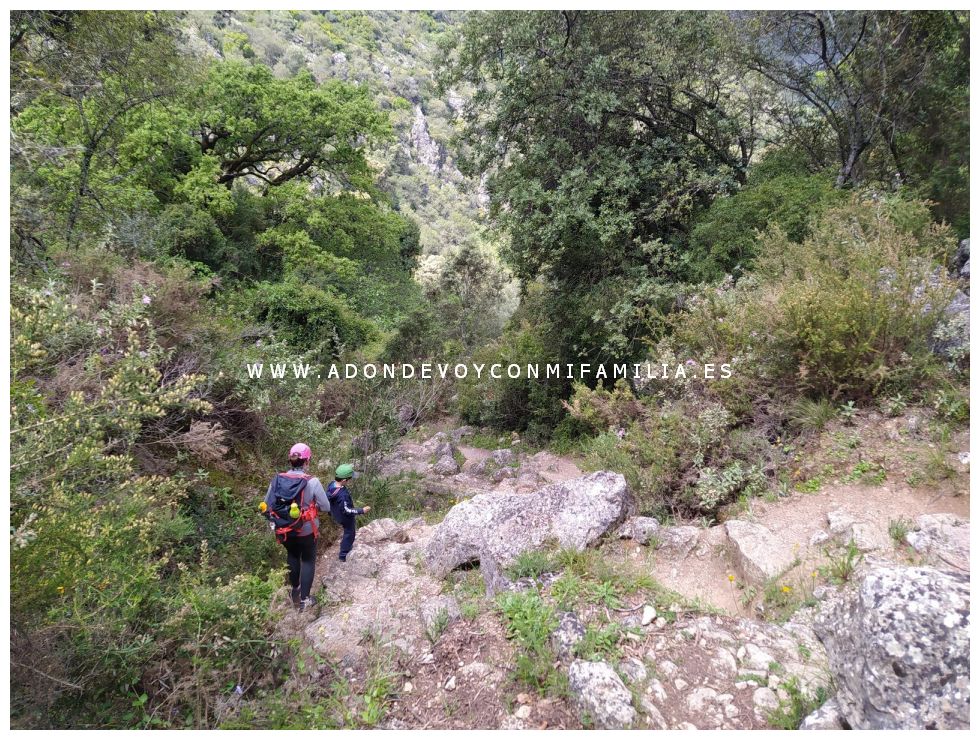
<point>89,79</point>
<point>602,134</point>
<point>857,71</point>
<point>270,131</point>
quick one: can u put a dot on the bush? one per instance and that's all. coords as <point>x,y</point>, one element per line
<point>847,313</point>
<point>311,317</point>
<point>726,236</point>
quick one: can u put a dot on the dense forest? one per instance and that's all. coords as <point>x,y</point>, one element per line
<point>193,192</point>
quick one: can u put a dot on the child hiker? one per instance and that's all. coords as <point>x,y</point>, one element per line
<point>342,508</point>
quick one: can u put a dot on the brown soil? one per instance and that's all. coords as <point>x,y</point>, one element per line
<point>477,701</point>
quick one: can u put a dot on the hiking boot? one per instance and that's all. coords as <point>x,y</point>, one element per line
<point>294,595</point>
<point>307,602</point>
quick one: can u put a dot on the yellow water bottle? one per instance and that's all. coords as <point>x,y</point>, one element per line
<point>294,510</point>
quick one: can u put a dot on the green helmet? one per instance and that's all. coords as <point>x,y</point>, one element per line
<point>344,471</point>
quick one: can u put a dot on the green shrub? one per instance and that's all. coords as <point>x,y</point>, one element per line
<point>846,314</point>
<point>311,317</point>
<point>727,235</point>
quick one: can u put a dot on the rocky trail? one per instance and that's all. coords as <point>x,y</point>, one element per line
<point>727,626</point>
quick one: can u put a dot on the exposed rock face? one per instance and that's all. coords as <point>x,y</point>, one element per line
<point>758,555</point>
<point>725,673</point>
<point>640,529</point>
<point>495,461</point>
<point>500,526</point>
<point>899,649</point>
<point>427,151</point>
<point>846,528</point>
<point>946,537</point>
<point>961,261</point>
<point>377,592</point>
<point>598,690</point>
<point>340,64</point>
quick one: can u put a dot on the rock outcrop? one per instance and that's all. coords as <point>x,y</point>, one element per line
<point>899,649</point>
<point>943,537</point>
<point>599,692</point>
<point>500,526</point>
<point>757,554</point>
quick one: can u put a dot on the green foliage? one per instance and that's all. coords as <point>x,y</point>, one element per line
<point>847,313</point>
<point>529,622</point>
<point>311,317</point>
<point>726,236</point>
<point>530,564</point>
<point>794,709</point>
<point>808,415</point>
<point>600,643</point>
<point>898,529</point>
<point>840,566</point>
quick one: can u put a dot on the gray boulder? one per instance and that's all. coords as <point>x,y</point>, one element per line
<point>677,541</point>
<point>495,461</point>
<point>640,529</point>
<point>945,537</point>
<point>599,691</point>
<point>758,555</point>
<point>899,649</point>
<point>500,526</point>
<point>961,260</point>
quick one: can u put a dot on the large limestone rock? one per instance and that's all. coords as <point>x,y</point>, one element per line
<point>377,596</point>
<point>827,717</point>
<point>758,555</point>
<point>598,690</point>
<point>500,526</point>
<point>945,537</point>
<point>899,649</point>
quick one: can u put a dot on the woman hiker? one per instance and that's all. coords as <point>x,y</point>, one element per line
<point>293,504</point>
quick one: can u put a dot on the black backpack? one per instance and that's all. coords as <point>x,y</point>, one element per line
<point>290,488</point>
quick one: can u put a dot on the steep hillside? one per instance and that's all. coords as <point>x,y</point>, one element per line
<point>392,53</point>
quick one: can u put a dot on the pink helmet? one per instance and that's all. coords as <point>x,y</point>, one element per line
<point>300,450</point>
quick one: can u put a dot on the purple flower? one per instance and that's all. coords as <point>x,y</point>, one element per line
<point>690,362</point>
<point>146,300</point>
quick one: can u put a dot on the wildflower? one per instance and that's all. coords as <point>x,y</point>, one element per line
<point>146,300</point>
<point>813,574</point>
<point>787,589</point>
<point>61,589</point>
<point>731,578</point>
<point>690,362</point>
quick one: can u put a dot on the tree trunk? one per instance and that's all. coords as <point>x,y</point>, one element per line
<point>76,205</point>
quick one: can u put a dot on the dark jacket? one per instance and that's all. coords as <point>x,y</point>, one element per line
<point>341,504</point>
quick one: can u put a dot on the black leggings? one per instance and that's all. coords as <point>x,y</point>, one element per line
<point>301,557</point>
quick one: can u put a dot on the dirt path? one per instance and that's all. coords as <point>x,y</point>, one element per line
<point>704,574</point>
